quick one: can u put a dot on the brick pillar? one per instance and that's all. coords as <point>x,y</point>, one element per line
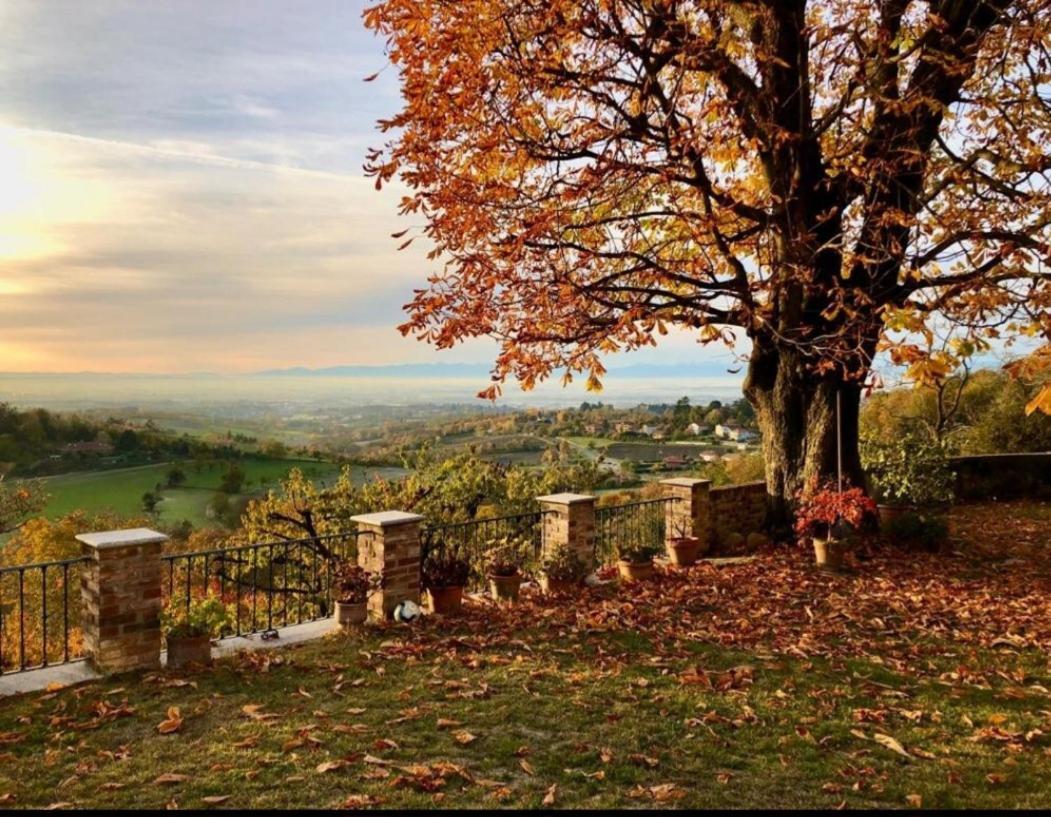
<point>692,509</point>
<point>121,593</point>
<point>569,520</point>
<point>389,544</point>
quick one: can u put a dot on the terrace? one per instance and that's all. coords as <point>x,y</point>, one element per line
<point>743,685</point>
<point>911,678</point>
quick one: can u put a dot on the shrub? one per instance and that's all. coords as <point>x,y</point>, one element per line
<point>826,509</point>
<point>916,530</point>
<point>506,555</point>
<point>638,553</point>
<point>204,616</point>
<point>444,569</point>
<point>353,584</point>
<point>562,564</point>
<point>911,470</point>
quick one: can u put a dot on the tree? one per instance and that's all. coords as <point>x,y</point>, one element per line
<point>681,414</point>
<point>828,179</point>
<point>19,501</point>
<point>232,480</point>
<point>150,501</point>
<point>176,476</point>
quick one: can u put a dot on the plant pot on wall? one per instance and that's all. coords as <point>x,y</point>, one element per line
<point>505,588</point>
<point>188,650</point>
<point>685,550</point>
<point>635,571</point>
<point>828,553</point>
<point>446,601</point>
<point>351,614</point>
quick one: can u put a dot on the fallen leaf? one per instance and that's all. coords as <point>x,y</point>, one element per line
<point>464,737</point>
<point>549,796</point>
<point>169,779</point>
<point>890,743</point>
<point>173,724</point>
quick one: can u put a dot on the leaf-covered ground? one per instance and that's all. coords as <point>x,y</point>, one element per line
<point>912,680</point>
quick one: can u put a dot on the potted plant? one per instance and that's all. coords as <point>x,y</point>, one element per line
<point>504,576</point>
<point>352,586</point>
<point>684,548</point>
<point>444,576</point>
<point>909,473</point>
<point>636,561</point>
<point>561,571</point>
<point>829,516</point>
<point>189,630</point>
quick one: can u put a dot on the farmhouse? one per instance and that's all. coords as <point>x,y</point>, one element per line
<point>735,433</point>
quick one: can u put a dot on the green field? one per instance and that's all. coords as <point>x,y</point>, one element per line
<point>121,490</point>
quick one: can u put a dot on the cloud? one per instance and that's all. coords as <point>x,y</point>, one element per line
<point>182,190</point>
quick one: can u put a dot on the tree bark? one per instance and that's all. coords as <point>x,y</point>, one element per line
<point>796,410</point>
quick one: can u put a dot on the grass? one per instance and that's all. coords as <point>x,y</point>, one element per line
<point>913,679</point>
<point>121,490</point>
<point>596,716</point>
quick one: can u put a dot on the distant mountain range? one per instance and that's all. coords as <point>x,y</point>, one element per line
<point>473,371</point>
<point>478,370</point>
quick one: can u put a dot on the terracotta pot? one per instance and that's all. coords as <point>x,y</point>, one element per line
<point>447,601</point>
<point>552,585</point>
<point>889,513</point>
<point>505,588</point>
<point>351,614</point>
<point>635,571</point>
<point>828,553</point>
<point>684,551</point>
<point>184,651</point>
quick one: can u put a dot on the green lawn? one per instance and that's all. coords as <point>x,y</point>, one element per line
<point>121,490</point>
<point>913,679</point>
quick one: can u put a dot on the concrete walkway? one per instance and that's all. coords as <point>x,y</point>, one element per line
<point>79,672</point>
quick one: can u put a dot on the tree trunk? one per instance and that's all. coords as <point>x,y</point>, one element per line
<point>796,411</point>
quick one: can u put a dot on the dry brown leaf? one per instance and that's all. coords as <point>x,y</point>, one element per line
<point>173,723</point>
<point>169,779</point>
<point>890,743</point>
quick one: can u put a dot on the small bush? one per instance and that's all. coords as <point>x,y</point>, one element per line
<point>353,584</point>
<point>445,569</point>
<point>912,470</point>
<point>917,531</point>
<point>638,553</point>
<point>205,616</point>
<point>564,565</point>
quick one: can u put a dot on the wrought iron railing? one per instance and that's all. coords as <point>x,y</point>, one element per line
<point>40,614</point>
<point>518,536</point>
<point>628,525</point>
<point>266,586</point>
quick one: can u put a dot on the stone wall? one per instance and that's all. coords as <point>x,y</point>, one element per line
<point>736,509</point>
<point>1002,476</point>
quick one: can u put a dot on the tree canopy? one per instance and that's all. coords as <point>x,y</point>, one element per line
<point>828,178</point>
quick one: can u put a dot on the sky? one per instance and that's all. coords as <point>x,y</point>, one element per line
<point>181,189</point>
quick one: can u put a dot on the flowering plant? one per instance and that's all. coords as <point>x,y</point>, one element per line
<point>827,507</point>
<point>354,584</point>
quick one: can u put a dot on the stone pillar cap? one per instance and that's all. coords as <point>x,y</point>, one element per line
<point>121,538</point>
<point>565,499</point>
<point>684,482</point>
<point>385,519</point>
